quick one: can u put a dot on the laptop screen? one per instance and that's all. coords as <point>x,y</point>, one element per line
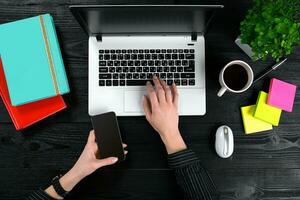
<point>139,19</point>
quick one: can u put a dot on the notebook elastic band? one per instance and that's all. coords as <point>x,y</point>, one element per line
<point>49,54</point>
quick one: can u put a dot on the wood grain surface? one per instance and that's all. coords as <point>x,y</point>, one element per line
<point>264,166</point>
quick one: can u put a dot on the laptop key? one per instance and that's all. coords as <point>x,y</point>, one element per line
<point>125,69</point>
<point>123,50</point>
<point>122,82</point>
<point>166,69</point>
<point>185,50</point>
<point>141,51</point>
<point>135,51</point>
<point>137,63</point>
<point>152,69</point>
<point>119,69</point>
<point>117,63</point>
<point>149,76</point>
<point>132,69</point>
<point>189,56</point>
<point>101,51</point>
<point>163,75</point>
<point>108,82</point>
<point>103,69</point>
<point>169,75</point>
<point>139,69</point>
<point>129,76</point>
<point>184,82</point>
<point>136,76</point>
<point>147,56</point>
<point>192,50</point>
<point>173,69</point>
<point>157,63</point>
<point>130,63</point>
<point>123,63</point>
<point>159,69</point>
<point>115,82</point>
<point>151,63</point>
<point>110,63</point>
<point>178,62</point>
<point>106,51</point>
<point>137,82</point>
<point>168,56</point>
<point>113,56</point>
<point>185,62</point>
<point>180,51</point>
<point>112,69</point>
<point>176,75</point>
<point>187,75</point>
<point>118,51</point>
<point>112,51</point>
<point>164,63</point>
<point>177,82</point>
<point>102,63</point>
<point>101,82</point>
<point>142,76</point>
<point>106,56</point>
<point>174,56</point>
<point>122,76</point>
<point>104,76</point>
<point>169,82</point>
<point>134,56</point>
<point>127,56</point>
<point>181,56</point>
<point>101,57</point>
<point>145,69</point>
<point>141,56</point>
<point>179,69</point>
<point>161,56</point>
<point>115,76</point>
<point>144,63</point>
<point>120,57</point>
<point>189,69</point>
<point>152,51</point>
<point>192,82</point>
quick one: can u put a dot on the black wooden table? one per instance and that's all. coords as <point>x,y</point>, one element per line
<point>263,166</point>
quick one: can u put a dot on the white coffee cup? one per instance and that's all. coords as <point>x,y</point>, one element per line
<point>225,88</point>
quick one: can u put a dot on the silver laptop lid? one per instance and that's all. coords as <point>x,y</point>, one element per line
<point>143,19</point>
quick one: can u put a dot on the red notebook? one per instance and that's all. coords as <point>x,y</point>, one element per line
<point>28,114</point>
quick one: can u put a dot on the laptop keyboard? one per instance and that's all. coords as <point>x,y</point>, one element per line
<point>134,67</point>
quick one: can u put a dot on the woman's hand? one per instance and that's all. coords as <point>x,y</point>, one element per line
<point>87,163</point>
<point>89,160</point>
<point>161,109</point>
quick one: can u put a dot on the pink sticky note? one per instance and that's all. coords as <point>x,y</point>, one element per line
<point>281,95</point>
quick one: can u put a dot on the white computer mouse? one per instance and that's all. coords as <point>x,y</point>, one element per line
<point>224,143</point>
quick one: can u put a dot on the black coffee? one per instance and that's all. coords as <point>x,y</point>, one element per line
<point>235,77</point>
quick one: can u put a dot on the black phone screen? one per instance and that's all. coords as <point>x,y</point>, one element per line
<point>108,136</point>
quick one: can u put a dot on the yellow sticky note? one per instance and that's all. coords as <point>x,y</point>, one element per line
<point>251,124</point>
<point>266,112</point>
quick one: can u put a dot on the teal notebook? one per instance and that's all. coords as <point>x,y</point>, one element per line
<point>32,60</point>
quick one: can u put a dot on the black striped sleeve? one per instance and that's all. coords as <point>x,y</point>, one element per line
<point>191,177</point>
<point>39,195</point>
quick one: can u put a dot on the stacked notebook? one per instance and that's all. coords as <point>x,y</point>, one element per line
<point>32,72</point>
<point>267,111</point>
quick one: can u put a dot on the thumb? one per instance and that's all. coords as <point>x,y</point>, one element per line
<point>146,106</point>
<point>106,161</point>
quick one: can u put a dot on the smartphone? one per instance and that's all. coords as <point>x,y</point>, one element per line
<point>108,136</point>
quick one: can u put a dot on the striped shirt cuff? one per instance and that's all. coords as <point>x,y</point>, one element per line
<point>39,195</point>
<point>182,158</point>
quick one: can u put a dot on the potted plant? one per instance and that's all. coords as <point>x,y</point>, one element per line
<point>271,28</point>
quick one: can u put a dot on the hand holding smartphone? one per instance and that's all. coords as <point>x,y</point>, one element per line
<point>108,135</point>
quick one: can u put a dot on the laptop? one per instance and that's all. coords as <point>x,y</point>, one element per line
<point>128,44</point>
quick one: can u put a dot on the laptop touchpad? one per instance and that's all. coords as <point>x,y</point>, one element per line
<point>134,101</point>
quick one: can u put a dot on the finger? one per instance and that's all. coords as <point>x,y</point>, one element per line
<point>124,145</point>
<point>159,90</point>
<point>125,152</point>
<point>92,137</point>
<point>168,92</point>
<point>175,94</point>
<point>152,96</point>
<point>106,161</point>
<point>147,107</point>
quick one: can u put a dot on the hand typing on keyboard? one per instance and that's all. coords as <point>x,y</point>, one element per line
<point>161,109</point>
